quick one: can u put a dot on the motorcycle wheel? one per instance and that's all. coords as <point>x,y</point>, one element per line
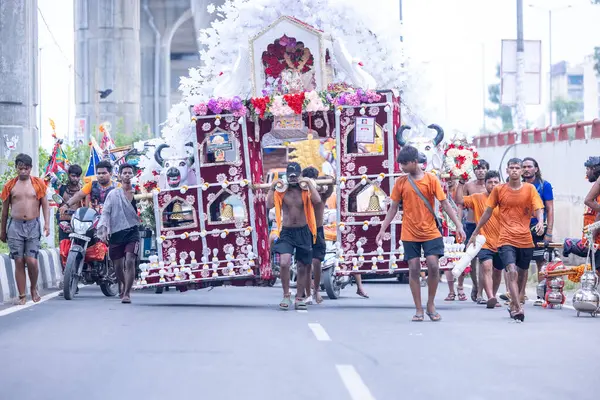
<point>110,287</point>
<point>70,279</point>
<point>332,287</point>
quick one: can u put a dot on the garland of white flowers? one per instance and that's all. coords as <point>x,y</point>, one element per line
<point>460,159</point>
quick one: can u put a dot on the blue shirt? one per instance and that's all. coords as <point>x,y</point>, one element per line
<point>544,189</point>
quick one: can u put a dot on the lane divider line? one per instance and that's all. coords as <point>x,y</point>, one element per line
<point>354,383</point>
<point>30,303</point>
<point>319,332</point>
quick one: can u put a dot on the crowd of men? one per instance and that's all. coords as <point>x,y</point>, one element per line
<point>24,195</point>
<point>516,218</point>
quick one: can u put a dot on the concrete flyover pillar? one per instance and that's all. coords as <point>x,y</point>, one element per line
<point>107,56</point>
<point>18,77</point>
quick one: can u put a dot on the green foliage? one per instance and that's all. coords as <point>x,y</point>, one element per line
<point>504,113</point>
<point>79,155</point>
<point>567,111</point>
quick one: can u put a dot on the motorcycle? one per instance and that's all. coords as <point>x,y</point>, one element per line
<point>333,284</point>
<point>87,259</point>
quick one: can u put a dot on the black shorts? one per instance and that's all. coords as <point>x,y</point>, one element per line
<point>487,254</point>
<point>434,247</point>
<point>514,255</point>
<point>469,229</point>
<point>538,252</point>
<point>297,241</point>
<point>320,247</point>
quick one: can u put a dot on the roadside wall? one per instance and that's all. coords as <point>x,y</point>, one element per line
<point>49,276</point>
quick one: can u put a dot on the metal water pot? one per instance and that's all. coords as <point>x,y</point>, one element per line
<point>541,289</point>
<point>587,298</point>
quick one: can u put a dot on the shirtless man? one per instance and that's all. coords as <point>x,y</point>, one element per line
<point>469,189</point>
<point>24,195</point>
<point>298,231</point>
<point>592,204</point>
<point>320,247</point>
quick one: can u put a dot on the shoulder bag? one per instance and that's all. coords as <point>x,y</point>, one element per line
<point>438,223</point>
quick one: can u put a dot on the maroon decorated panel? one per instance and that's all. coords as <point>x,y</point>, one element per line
<point>364,194</point>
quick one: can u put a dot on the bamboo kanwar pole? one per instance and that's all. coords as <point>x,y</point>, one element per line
<point>318,182</point>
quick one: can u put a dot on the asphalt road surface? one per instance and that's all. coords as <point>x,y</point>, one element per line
<point>234,343</point>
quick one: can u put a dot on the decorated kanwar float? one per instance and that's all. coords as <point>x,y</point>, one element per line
<point>293,93</point>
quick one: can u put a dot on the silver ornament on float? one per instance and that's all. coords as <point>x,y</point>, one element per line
<point>587,299</point>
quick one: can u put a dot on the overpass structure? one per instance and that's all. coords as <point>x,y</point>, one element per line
<point>130,55</point>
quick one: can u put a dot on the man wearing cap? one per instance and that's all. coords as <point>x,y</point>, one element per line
<point>298,230</point>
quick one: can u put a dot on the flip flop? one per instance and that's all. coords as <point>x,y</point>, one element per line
<point>492,303</point>
<point>518,315</point>
<point>434,316</point>
<point>286,303</point>
<point>362,294</point>
<point>450,297</point>
<point>418,318</point>
<point>474,294</point>
<point>300,305</point>
<point>481,301</point>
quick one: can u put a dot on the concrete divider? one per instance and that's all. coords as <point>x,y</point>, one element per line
<point>49,276</point>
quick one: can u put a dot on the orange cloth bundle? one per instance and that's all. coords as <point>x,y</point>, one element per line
<point>38,185</point>
<point>93,253</point>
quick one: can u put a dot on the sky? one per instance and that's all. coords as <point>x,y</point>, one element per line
<point>459,40</point>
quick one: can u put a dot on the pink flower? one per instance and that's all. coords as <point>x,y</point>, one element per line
<point>200,109</point>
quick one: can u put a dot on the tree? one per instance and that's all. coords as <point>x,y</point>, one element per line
<point>504,113</point>
<point>567,111</point>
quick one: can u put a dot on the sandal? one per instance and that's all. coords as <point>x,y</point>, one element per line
<point>461,294</point>
<point>481,301</point>
<point>492,303</point>
<point>518,315</point>
<point>300,305</point>
<point>286,303</point>
<point>474,294</point>
<point>418,318</point>
<point>434,316</point>
<point>362,294</point>
<point>451,297</point>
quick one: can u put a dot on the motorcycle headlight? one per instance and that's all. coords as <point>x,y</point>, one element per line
<point>80,227</point>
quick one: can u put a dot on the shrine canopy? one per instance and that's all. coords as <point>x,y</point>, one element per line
<point>290,56</point>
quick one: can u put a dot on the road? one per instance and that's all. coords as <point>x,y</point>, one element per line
<point>233,343</point>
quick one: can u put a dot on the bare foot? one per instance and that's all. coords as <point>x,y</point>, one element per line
<point>318,298</point>
<point>21,300</point>
<point>35,295</point>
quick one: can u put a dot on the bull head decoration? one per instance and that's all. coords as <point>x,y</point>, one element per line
<point>425,145</point>
<point>175,170</point>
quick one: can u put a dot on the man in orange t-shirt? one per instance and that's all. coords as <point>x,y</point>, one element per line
<point>516,201</point>
<point>420,226</point>
<point>488,255</point>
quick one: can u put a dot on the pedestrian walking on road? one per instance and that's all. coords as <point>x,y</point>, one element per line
<point>120,220</point>
<point>533,174</point>
<point>489,260</point>
<point>592,204</point>
<point>420,226</point>
<point>24,195</point>
<point>66,191</point>
<point>516,201</point>
<point>295,219</point>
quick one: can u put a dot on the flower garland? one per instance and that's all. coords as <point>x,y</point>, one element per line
<point>286,53</point>
<point>290,104</point>
<point>234,106</point>
<point>460,159</point>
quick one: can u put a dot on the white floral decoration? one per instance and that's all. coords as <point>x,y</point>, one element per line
<point>349,112</point>
<point>206,126</point>
<point>190,199</point>
<point>373,111</point>
<point>240,241</point>
<point>350,167</point>
<point>362,169</point>
<point>221,178</point>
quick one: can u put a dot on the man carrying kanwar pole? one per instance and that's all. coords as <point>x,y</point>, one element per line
<point>592,205</point>
<point>516,201</point>
<point>24,195</point>
<point>418,191</point>
<point>120,220</point>
<point>297,231</point>
<point>470,188</point>
<point>319,248</point>
<point>489,260</point>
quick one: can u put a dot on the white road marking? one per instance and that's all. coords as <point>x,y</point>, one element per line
<point>30,303</point>
<point>353,382</point>
<point>302,311</point>
<point>319,332</point>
